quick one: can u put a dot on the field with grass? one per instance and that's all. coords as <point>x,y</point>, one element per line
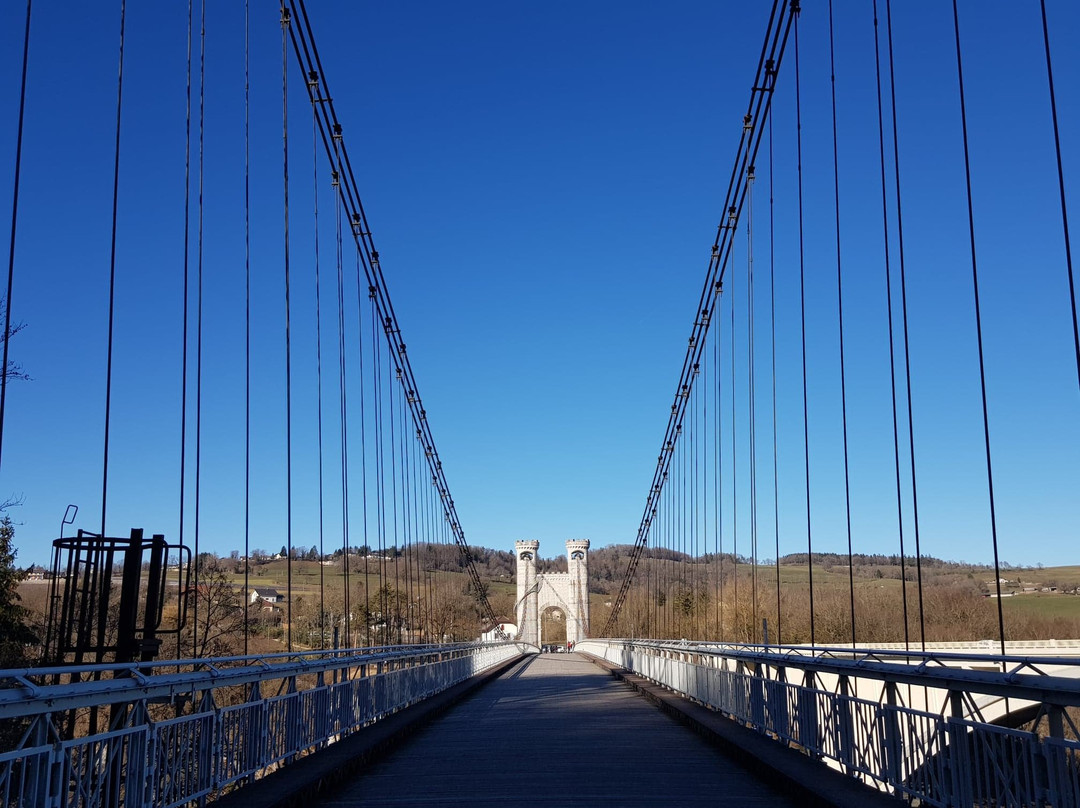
<point>1043,604</point>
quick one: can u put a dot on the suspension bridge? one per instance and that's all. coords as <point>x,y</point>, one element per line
<point>883,358</point>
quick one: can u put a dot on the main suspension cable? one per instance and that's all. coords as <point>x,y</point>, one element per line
<point>761,96</point>
<point>330,127</point>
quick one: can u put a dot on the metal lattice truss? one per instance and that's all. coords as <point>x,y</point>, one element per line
<point>923,726</point>
<point>189,730</point>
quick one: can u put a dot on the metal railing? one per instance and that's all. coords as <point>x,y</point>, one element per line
<point>187,730</point>
<point>913,724</point>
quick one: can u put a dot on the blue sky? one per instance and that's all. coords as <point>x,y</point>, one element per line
<point>544,182</point>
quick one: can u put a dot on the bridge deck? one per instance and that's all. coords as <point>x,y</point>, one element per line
<point>556,730</point>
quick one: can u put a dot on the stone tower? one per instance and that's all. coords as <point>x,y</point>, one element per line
<point>568,591</point>
<point>577,566</point>
<point>525,609</point>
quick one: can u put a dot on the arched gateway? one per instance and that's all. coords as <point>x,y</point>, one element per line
<point>568,591</point>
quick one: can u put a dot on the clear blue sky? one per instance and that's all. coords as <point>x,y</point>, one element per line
<point>544,182</point>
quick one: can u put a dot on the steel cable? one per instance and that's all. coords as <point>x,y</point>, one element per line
<point>840,320</point>
<point>318,369</point>
<point>978,328</point>
<point>1061,191</point>
<point>772,346</point>
<point>907,344</point>
<point>4,370</point>
<point>889,310</point>
<point>186,317</point>
<point>751,395</point>
<point>285,23</point>
<point>802,317</point>
<point>329,126</point>
<point>247,316</point>
<point>199,303</point>
<point>112,273</point>
<point>780,22</point>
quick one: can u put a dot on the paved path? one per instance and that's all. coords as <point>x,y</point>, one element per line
<point>556,730</point>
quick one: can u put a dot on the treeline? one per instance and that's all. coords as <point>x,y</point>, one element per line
<point>739,611</point>
<point>874,560</point>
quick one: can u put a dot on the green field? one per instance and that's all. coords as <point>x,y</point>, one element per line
<point>1044,605</point>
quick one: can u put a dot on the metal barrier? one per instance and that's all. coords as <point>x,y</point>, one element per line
<point>908,723</point>
<point>187,730</point>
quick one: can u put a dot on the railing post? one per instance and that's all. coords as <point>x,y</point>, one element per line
<point>261,742</point>
<point>1055,772</point>
<point>844,727</point>
<point>55,781</point>
<point>150,741</point>
<point>140,768</point>
<point>778,705</point>
<point>207,704</point>
<point>891,741</point>
<point>1055,721</point>
<point>38,778</point>
<point>757,697</point>
<point>808,716</point>
<point>959,756</point>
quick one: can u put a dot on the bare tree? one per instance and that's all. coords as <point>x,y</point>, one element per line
<point>220,630</point>
<point>13,370</point>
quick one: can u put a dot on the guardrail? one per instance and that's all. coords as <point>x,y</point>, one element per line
<point>187,730</point>
<point>810,699</point>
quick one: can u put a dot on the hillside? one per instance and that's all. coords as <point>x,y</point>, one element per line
<point>674,595</point>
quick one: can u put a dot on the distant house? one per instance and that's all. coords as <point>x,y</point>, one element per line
<point>266,595</point>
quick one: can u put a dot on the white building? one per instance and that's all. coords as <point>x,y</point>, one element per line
<point>266,595</point>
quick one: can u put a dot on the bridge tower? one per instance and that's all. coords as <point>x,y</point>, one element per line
<point>568,591</point>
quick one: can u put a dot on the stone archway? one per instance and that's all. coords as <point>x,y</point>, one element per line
<point>552,626</point>
<point>568,591</point>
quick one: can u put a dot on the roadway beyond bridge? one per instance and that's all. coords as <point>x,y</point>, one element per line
<point>556,730</point>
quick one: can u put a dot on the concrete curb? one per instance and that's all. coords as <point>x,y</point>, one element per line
<point>800,776</point>
<point>319,774</point>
